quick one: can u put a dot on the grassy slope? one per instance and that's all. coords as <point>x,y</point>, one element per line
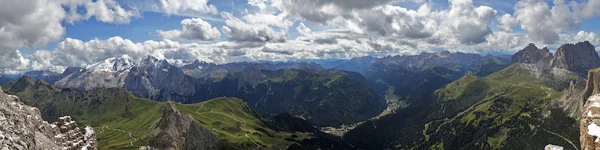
<point>324,97</point>
<point>233,120</point>
<point>505,110</point>
<point>123,121</point>
<point>487,111</point>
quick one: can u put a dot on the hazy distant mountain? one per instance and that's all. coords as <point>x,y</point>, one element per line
<point>45,75</point>
<point>323,97</point>
<point>203,69</point>
<point>527,105</point>
<point>416,76</point>
<point>3,80</point>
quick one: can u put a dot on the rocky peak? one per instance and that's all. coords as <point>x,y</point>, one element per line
<point>22,84</point>
<point>532,55</point>
<point>159,80</point>
<point>577,58</point>
<point>149,60</point>
<point>177,130</point>
<point>22,127</point>
<point>114,64</point>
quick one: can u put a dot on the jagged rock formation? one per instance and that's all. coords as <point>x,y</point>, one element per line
<point>532,55</point>
<point>109,73</point>
<point>577,58</point>
<point>22,127</point>
<point>177,130</point>
<point>565,71</point>
<point>593,85</point>
<point>158,80</point>
<point>152,78</point>
<point>590,118</point>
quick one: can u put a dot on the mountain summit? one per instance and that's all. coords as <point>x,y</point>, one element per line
<point>532,55</point>
<point>578,58</point>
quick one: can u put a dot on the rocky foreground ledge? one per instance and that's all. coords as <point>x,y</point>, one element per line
<point>22,127</point>
<point>589,125</point>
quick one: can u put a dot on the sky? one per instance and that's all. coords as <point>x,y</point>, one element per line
<point>56,34</point>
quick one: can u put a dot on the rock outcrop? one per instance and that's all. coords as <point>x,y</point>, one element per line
<point>553,147</point>
<point>532,55</point>
<point>22,127</point>
<point>109,73</point>
<point>590,116</point>
<point>593,85</point>
<point>177,130</point>
<point>159,80</point>
<point>577,58</point>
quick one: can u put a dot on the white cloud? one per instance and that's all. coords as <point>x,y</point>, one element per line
<point>396,21</point>
<point>193,29</point>
<point>587,36</point>
<point>466,23</point>
<point>590,9</point>
<point>107,11</point>
<point>303,30</point>
<point>185,7</point>
<point>241,31</point>
<point>544,24</point>
<point>31,23</point>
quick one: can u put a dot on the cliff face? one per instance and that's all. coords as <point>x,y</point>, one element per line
<point>590,118</point>
<point>22,127</point>
<point>532,55</point>
<point>577,58</point>
<point>158,80</point>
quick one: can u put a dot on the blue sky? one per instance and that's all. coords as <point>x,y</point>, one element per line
<point>280,30</point>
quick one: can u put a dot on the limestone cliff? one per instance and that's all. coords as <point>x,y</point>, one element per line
<point>590,116</point>
<point>22,127</point>
<point>577,58</point>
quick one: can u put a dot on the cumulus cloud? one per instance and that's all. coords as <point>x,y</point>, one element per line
<point>31,23</point>
<point>108,11</point>
<point>240,31</point>
<point>193,29</point>
<point>543,23</point>
<point>303,30</point>
<point>325,11</point>
<point>467,23</point>
<point>396,21</point>
<point>590,8</point>
<point>35,23</point>
<point>185,7</point>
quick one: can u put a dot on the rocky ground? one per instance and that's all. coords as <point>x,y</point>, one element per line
<point>22,127</point>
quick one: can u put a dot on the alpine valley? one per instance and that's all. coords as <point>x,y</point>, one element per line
<point>441,100</point>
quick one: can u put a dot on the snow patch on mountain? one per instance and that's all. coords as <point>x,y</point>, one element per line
<point>115,64</point>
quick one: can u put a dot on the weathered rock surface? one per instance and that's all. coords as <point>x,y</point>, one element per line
<point>176,130</point>
<point>151,78</point>
<point>590,116</point>
<point>532,55</point>
<point>158,80</point>
<point>22,127</point>
<point>109,73</point>
<point>577,58</point>
<point>553,147</point>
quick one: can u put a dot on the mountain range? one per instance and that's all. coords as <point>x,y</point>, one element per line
<point>439,100</point>
<point>522,106</point>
